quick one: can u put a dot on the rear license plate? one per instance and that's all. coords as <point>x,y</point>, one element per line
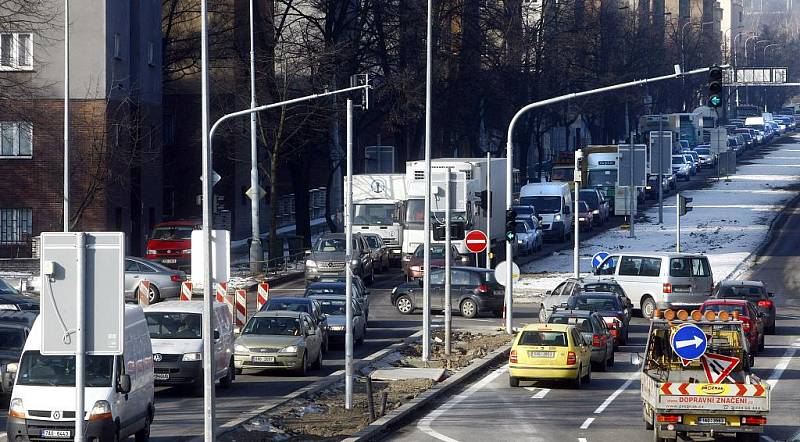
<point>161,376</point>
<point>712,420</point>
<point>263,358</point>
<point>541,354</point>
<point>681,289</point>
<point>56,433</point>
<point>169,261</point>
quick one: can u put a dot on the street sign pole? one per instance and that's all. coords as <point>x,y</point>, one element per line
<point>448,315</point>
<point>660,169</point>
<point>426,277</point>
<point>348,222</point>
<point>488,212</point>
<point>576,218</point>
<point>80,335</point>
<point>631,193</point>
<point>678,224</point>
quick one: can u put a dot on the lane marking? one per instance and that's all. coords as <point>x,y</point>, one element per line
<point>614,395</point>
<point>781,366</point>
<point>541,394</point>
<point>586,423</point>
<point>424,424</point>
<point>766,438</point>
<point>581,439</point>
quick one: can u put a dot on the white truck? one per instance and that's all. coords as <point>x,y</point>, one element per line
<point>468,205</point>
<point>379,206</point>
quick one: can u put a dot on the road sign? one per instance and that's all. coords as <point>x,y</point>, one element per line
<point>718,367</point>
<point>220,257</point>
<point>689,342</point>
<point>598,258</point>
<point>719,140</point>
<point>255,195</point>
<point>660,152</point>
<point>214,178</point>
<point>501,270</point>
<point>476,241</point>
<point>639,169</point>
<point>103,276</point>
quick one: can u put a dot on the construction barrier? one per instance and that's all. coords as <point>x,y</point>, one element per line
<point>222,296</point>
<point>186,291</point>
<point>143,293</point>
<point>262,296</point>
<point>241,308</point>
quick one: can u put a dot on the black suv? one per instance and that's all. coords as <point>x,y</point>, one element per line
<point>473,290</point>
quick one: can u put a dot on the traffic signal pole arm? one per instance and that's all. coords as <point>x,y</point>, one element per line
<point>509,158</point>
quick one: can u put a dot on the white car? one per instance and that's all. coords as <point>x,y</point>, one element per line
<point>681,167</point>
<point>707,158</point>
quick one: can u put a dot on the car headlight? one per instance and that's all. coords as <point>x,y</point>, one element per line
<point>239,348</point>
<point>597,211</point>
<point>100,411</point>
<point>12,367</point>
<point>16,409</point>
<point>8,307</point>
<point>519,241</point>
<point>557,217</point>
<point>186,251</point>
<point>311,263</point>
<point>289,349</point>
<point>191,357</point>
<point>354,262</point>
<point>581,219</point>
<point>151,252</point>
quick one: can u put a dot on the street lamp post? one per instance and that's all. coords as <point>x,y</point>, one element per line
<point>256,251</point>
<point>426,275</point>
<point>755,61</point>
<point>735,49</point>
<point>773,45</point>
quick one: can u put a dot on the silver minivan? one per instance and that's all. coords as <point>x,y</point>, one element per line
<point>659,280</point>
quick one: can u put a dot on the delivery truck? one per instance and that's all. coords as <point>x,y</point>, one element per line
<point>379,206</point>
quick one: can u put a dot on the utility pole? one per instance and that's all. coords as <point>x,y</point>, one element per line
<point>66,117</point>
<point>80,335</point>
<point>448,314</point>
<point>426,277</point>
<point>256,251</point>
<point>348,223</point>
<point>488,213</point>
<point>576,215</point>
<point>632,192</point>
<point>678,224</point>
<point>660,169</point>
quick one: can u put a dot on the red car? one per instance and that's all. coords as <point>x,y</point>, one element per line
<point>751,317</point>
<point>171,243</point>
<point>414,268</point>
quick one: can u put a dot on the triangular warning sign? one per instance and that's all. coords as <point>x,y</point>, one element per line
<point>686,362</point>
<point>718,367</point>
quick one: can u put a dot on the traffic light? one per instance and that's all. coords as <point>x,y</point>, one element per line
<point>715,86</point>
<point>511,218</point>
<point>684,204</point>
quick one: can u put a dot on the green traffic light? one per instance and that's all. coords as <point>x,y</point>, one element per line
<point>715,101</point>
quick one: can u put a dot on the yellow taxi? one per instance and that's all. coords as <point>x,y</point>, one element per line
<point>550,352</point>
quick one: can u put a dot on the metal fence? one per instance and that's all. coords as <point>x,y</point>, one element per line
<point>282,265</point>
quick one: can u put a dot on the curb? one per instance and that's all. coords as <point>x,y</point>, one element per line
<point>376,430</point>
<point>308,389</point>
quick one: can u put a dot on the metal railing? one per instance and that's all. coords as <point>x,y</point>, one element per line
<point>278,266</point>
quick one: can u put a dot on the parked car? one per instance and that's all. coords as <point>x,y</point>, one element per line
<point>378,250</point>
<point>706,157</point>
<point>15,326</point>
<point>473,290</point>
<point>593,328</point>
<point>338,288</point>
<point>11,299</point>
<point>525,237</point>
<point>305,305</point>
<point>549,352</point>
<point>328,258</point>
<point>415,267</point>
<point>597,203</point>
<point>610,307</point>
<point>279,339</point>
<point>333,306</point>
<point>753,291</point>
<point>681,167</point>
<point>585,216</point>
<point>170,243</point>
<point>165,282</point>
<point>751,317</point>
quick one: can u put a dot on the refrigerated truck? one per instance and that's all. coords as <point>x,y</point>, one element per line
<point>601,171</point>
<point>469,191</point>
<point>379,206</point>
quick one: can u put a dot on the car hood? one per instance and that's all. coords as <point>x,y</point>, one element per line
<point>164,244</point>
<point>336,320</point>
<point>268,340</point>
<point>327,256</point>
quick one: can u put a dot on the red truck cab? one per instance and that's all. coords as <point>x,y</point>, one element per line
<point>170,243</point>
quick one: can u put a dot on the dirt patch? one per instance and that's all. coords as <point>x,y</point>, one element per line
<point>322,416</point>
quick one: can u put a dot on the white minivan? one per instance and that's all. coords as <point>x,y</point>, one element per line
<point>659,280</point>
<point>553,202</point>
<point>119,390</point>
<point>176,333</point>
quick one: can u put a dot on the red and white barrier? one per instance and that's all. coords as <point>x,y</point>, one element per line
<point>262,296</point>
<point>241,308</point>
<point>222,296</point>
<point>186,291</point>
<point>143,292</point>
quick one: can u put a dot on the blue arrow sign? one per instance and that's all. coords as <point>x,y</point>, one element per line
<point>689,342</point>
<point>598,258</point>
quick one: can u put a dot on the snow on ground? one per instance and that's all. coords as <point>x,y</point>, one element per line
<point>729,221</point>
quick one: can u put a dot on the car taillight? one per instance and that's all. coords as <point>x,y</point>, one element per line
<point>571,358</point>
<point>512,358</point>
<point>595,340</point>
<point>754,420</point>
<point>614,332</point>
<point>765,303</point>
<point>668,418</point>
<point>746,326</point>
<point>176,278</point>
<point>667,288</point>
<point>483,288</point>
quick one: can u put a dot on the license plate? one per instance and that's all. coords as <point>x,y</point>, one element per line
<point>541,354</point>
<point>169,261</point>
<point>681,289</point>
<point>263,358</point>
<point>161,376</point>
<point>56,433</point>
<point>712,420</point>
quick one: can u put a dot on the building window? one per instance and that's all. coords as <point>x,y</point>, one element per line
<point>151,54</point>
<point>16,226</point>
<point>16,51</point>
<point>117,46</point>
<point>16,139</point>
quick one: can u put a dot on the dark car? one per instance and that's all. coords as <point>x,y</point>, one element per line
<point>306,305</point>
<point>585,216</point>
<point>593,328</point>
<point>753,291</point>
<point>751,317</point>
<point>338,288</point>
<point>11,299</point>
<point>597,203</point>
<point>610,307</point>
<point>414,268</point>
<point>473,290</point>
<point>14,329</point>
<point>573,286</point>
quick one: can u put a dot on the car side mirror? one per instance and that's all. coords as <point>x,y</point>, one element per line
<point>216,334</point>
<point>549,292</point>
<point>636,359</point>
<point>124,384</point>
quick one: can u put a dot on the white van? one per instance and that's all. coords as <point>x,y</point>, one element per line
<point>176,333</point>
<point>119,390</point>
<point>553,202</point>
<point>659,280</point>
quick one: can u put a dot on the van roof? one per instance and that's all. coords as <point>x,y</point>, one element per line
<point>532,189</point>
<point>663,254</point>
<point>179,306</point>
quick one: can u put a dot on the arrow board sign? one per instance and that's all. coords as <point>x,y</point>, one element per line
<point>689,342</point>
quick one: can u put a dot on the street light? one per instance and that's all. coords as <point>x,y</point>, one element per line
<point>773,45</point>
<point>683,55</point>
<point>735,49</point>
<point>746,58</point>
<point>256,251</point>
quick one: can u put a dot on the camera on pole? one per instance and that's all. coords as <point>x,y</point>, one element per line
<point>511,218</point>
<point>683,202</point>
<point>715,86</point>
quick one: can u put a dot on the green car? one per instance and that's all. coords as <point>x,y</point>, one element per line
<point>279,339</point>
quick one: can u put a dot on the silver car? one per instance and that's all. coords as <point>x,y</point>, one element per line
<point>279,339</point>
<point>164,281</point>
<point>378,250</point>
<point>334,307</point>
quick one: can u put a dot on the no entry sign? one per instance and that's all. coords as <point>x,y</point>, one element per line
<point>476,241</point>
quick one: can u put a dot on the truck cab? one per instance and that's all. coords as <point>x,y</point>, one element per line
<point>170,243</point>
<point>379,206</point>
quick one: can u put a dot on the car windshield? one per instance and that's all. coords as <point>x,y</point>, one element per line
<point>550,338</point>
<point>590,198</point>
<point>741,292</point>
<point>543,204</point>
<point>332,245</point>
<point>373,242</point>
<point>272,326</point>
<point>11,339</point>
<point>333,307</point>
<point>730,308</point>
<point>374,214</point>
<point>602,178</point>
<point>562,174</point>
<point>520,227</point>
<point>327,290</point>
<point>603,287</point>
<point>523,210</point>
<point>6,289</point>
<point>168,325</point>
<point>284,305</point>
<point>703,151</point>
<point>678,160</point>
<point>437,252</point>
<point>38,369</point>
<point>584,325</point>
<point>594,303</point>
<point>415,214</point>
<point>583,207</point>
<point>172,233</point>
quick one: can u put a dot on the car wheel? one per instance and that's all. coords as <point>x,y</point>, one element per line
<point>302,370</point>
<point>327,344</point>
<point>542,314</point>
<point>372,276</point>
<point>318,363</point>
<point>602,365</point>
<point>469,309</point>
<point>227,381</point>
<point>143,435</point>
<point>404,305</point>
<point>513,382</point>
<point>648,307</point>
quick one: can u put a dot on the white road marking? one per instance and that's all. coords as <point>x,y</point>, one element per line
<point>424,424</point>
<point>614,395</point>
<point>586,423</point>
<point>581,439</point>
<point>781,366</point>
<point>766,438</point>
<point>541,394</point>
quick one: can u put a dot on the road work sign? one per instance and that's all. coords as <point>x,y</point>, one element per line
<point>689,342</point>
